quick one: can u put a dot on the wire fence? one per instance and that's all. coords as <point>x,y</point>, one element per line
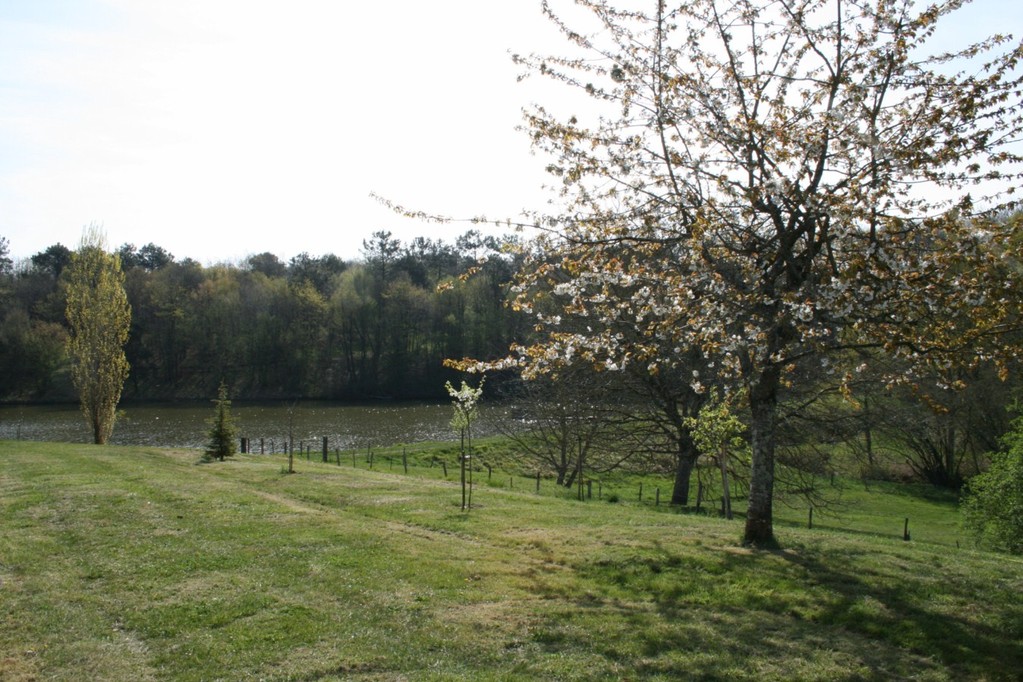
<point>431,462</point>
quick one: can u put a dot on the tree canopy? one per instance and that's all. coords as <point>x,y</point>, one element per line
<point>768,183</point>
<point>311,327</point>
<point>99,319</point>
<point>223,430</point>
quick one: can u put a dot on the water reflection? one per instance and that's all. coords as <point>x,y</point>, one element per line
<point>178,425</point>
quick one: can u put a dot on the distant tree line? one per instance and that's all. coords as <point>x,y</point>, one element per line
<point>317,327</point>
<point>383,325</point>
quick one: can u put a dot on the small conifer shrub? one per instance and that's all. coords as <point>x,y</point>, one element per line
<point>222,428</point>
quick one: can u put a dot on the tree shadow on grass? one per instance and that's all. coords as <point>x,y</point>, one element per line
<point>934,615</point>
<point>803,614</point>
<point>925,492</point>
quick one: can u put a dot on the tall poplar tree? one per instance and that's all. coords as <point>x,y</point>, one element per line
<point>99,318</point>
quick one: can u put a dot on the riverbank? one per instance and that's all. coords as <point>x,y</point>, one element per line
<point>347,425</point>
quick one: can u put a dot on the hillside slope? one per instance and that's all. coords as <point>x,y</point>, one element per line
<point>139,564</point>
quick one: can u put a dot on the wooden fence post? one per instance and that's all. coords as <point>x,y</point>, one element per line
<point>326,453</point>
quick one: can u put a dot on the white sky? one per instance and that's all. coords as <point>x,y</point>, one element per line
<point>222,128</point>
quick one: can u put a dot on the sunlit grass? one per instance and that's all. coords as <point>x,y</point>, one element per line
<point>135,564</point>
<point>849,504</point>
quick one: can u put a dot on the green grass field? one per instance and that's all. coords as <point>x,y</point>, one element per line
<point>122,563</point>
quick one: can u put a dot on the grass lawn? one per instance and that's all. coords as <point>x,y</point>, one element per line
<point>121,563</point>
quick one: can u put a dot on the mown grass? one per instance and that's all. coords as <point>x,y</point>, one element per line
<point>139,564</point>
<point>847,503</point>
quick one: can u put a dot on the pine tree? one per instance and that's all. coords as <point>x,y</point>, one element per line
<point>222,428</point>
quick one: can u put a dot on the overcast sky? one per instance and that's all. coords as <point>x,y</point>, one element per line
<point>222,128</point>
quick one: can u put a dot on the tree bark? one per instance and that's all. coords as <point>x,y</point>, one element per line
<point>726,488</point>
<point>763,401</point>
<point>683,474</point>
<point>461,459</point>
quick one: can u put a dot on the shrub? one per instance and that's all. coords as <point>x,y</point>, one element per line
<point>993,501</point>
<point>222,428</point>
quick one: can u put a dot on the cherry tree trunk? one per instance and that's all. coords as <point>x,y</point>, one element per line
<point>763,400</point>
<point>683,475</point>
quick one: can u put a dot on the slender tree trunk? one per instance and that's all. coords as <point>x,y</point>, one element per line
<point>868,436</point>
<point>566,460</point>
<point>468,434</point>
<point>951,468</point>
<point>579,470</point>
<point>100,425</point>
<point>726,487</point>
<point>763,401</point>
<point>462,458</point>
<point>570,474</point>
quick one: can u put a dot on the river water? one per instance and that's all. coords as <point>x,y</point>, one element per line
<point>185,425</point>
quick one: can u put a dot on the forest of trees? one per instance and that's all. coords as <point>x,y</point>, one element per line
<point>383,325</point>
<point>316,327</point>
